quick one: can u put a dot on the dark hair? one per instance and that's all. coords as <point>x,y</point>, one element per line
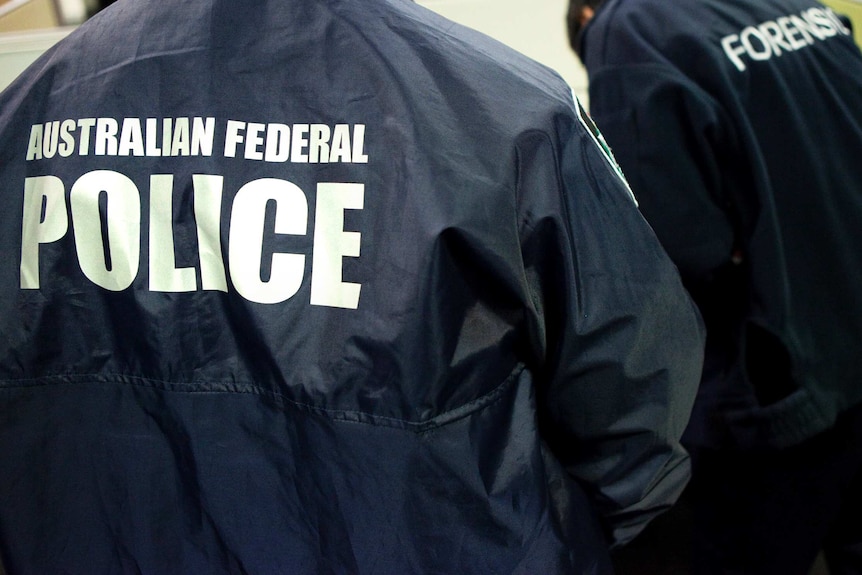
<point>573,20</point>
<point>98,6</point>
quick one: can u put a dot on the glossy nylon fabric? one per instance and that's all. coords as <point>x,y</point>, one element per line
<point>736,145</point>
<point>179,482</point>
<point>505,396</point>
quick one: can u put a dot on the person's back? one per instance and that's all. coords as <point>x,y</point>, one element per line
<point>739,127</point>
<point>292,287</point>
<point>740,137</point>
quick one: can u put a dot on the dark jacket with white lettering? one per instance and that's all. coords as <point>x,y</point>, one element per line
<point>739,127</point>
<point>321,286</point>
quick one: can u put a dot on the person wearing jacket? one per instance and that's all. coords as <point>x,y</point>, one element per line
<point>739,126</point>
<point>324,286</point>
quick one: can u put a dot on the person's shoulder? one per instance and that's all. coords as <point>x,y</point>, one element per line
<point>633,31</point>
<point>618,15</point>
<point>646,17</point>
<point>493,61</point>
<point>110,38</point>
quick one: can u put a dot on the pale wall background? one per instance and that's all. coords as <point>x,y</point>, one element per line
<point>19,49</point>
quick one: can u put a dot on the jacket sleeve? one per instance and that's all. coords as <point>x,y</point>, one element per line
<point>672,139</point>
<point>621,343</point>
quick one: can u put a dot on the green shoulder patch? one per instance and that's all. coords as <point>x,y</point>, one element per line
<point>600,141</point>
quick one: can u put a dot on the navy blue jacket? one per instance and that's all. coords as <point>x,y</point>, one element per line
<point>323,286</point>
<point>738,124</point>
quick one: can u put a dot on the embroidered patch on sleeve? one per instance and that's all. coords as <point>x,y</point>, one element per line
<point>600,141</point>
